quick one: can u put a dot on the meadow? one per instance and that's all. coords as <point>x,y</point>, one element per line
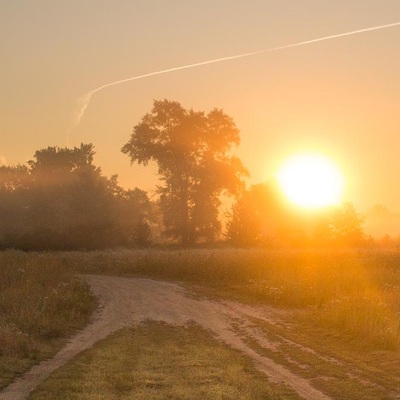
<point>156,361</point>
<point>346,302</point>
<point>41,304</point>
<point>354,292</point>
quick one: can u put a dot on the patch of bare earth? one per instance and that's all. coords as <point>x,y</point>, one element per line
<point>126,301</point>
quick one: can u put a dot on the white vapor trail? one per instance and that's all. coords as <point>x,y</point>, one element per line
<point>83,101</point>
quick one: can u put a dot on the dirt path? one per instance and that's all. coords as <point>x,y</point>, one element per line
<point>125,301</point>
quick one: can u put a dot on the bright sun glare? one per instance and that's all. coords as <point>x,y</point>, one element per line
<point>311,181</point>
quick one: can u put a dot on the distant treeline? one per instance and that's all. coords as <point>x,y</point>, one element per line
<point>262,217</point>
<point>61,200</point>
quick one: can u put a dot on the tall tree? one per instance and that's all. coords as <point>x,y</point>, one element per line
<point>191,149</point>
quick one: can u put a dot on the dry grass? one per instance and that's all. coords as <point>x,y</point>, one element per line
<point>353,293</point>
<point>338,366</point>
<point>346,304</point>
<point>159,361</point>
<point>41,302</point>
<point>356,292</point>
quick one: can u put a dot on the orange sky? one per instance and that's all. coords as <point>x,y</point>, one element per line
<point>338,97</point>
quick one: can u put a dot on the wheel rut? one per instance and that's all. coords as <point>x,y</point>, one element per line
<point>127,301</point>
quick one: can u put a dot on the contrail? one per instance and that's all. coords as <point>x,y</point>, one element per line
<point>83,101</point>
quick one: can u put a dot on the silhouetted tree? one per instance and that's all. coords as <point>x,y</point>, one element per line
<point>62,201</point>
<point>135,213</point>
<point>345,225</point>
<point>246,227</point>
<point>14,184</point>
<point>69,204</point>
<point>13,178</point>
<point>191,151</point>
<point>261,217</point>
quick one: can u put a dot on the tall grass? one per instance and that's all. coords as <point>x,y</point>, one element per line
<point>354,292</point>
<point>40,303</point>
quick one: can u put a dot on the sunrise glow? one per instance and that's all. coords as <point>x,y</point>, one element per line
<point>311,181</point>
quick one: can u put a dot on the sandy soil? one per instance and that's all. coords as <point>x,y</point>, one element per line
<point>126,301</point>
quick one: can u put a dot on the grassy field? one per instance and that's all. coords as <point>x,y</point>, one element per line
<point>344,304</point>
<point>339,365</point>
<point>159,361</point>
<point>352,292</point>
<point>41,303</point>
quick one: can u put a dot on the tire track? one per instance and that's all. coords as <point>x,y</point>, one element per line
<point>126,301</point>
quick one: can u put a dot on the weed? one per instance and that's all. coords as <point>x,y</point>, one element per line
<point>41,302</point>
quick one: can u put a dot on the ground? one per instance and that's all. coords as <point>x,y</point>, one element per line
<point>127,301</point>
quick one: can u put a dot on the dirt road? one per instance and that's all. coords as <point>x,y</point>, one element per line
<point>126,301</point>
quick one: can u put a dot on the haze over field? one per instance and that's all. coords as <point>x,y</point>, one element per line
<point>202,170</point>
<point>336,97</point>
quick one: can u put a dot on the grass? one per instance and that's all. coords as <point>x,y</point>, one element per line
<point>337,365</point>
<point>348,291</point>
<point>344,304</point>
<point>41,303</point>
<point>356,293</point>
<point>160,361</point>
<point>352,292</point>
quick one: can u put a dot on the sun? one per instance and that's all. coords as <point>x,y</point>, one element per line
<point>311,181</point>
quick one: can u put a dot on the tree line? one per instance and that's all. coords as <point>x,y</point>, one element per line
<point>61,200</point>
<point>261,217</point>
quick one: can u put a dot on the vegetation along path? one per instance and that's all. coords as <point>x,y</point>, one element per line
<point>125,301</point>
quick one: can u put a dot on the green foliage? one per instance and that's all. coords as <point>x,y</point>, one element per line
<point>191,151</point>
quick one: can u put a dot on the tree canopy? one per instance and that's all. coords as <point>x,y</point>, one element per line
<point>61,200</point>
<point>191,149</point>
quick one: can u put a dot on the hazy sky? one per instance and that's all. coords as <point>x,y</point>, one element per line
<point>339,97</point>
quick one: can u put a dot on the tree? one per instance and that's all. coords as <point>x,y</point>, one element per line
<point>191,150</point>
<point>70,204</point>
<point>261,217</point>
<point>135,213</point>
<point>14,182</point>
<point>62,201</point>
<point>345,225</point>
<point>249,214</point>
<point>13,178</point>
